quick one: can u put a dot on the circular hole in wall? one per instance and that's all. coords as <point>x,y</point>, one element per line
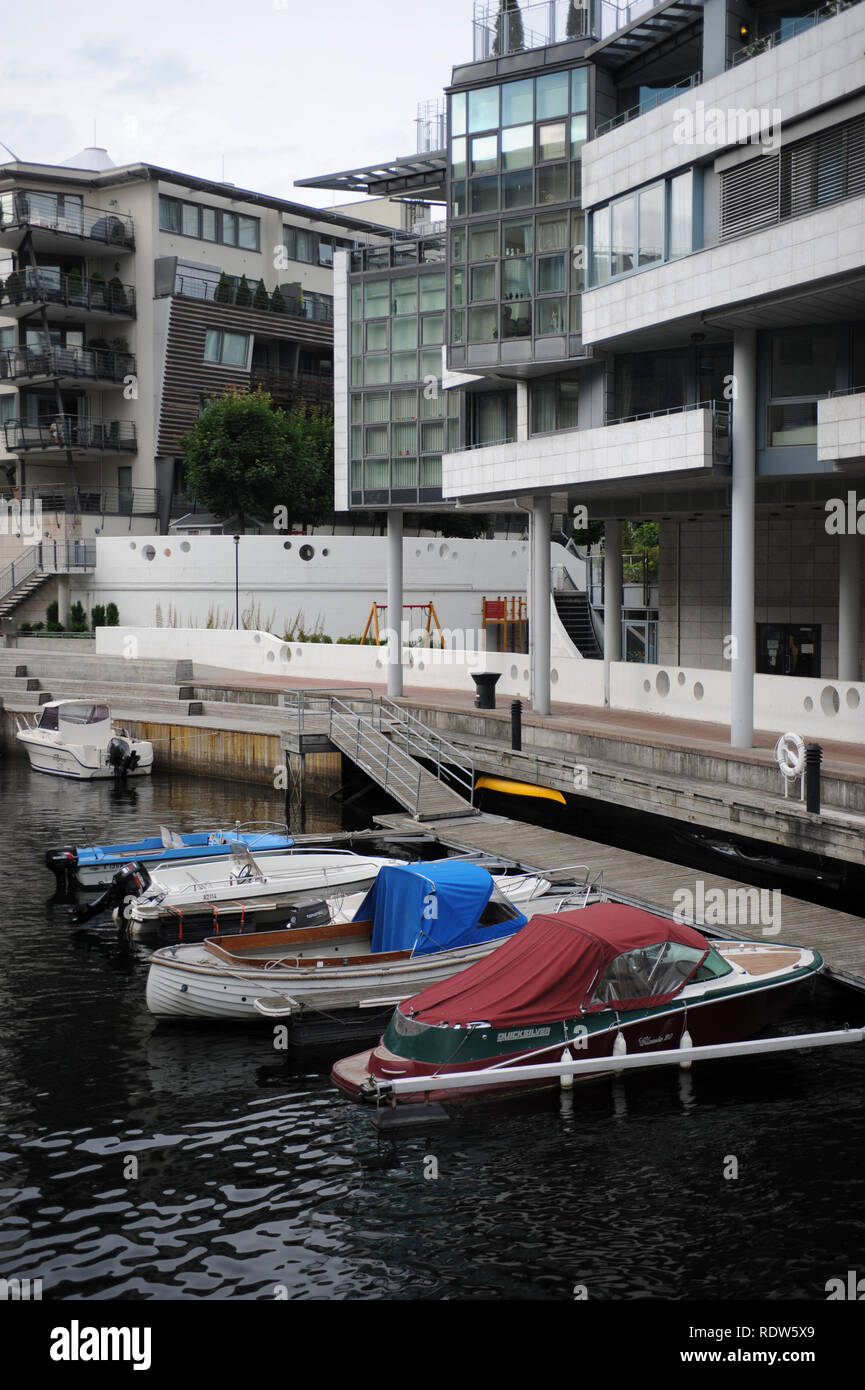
<point>430,547</point>
<point>852,699</point>
<point>284,654</point>
<point>807,704</point>
<point>417,552</point>
<point>185,547</point>
<point>698,691</point>
<point>662,683</point>
<point>306,552</point>
<point>257,637</point>
<point>647,686</point>
<point>286,545</point>
<point>149,552</point>
<point>298,651</point>
<point>444,550</point>
<point>166,552</point>
<point>514,672</point>
<point>830,700</point>
<point>378,665</point>
<point>133,545</point>
<point>681,678</point>
<point>525,675</point>
<point>325,552</point>
<point>554,677</point>
<point>270,656</point>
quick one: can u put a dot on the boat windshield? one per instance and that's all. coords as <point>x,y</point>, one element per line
<point>49,717</point>
<point>662,968</point>
<point>498,909</point>
<point>85,714</point>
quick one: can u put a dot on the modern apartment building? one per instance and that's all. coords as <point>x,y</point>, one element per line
<point>128,296</point>
<point>649,304</point>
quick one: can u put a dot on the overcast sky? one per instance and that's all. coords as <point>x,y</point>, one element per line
<point>282,89</point>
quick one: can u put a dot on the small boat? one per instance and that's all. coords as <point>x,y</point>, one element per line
<point>419,923</point>
<point>94,866</point>
<point>605,981</point>
<point>75,738</point>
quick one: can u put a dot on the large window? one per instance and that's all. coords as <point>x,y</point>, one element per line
<point>643,229</point>
<point>226,349</point>
<point>555,405</point>
<point>803,368</point>
<point>208,224</point>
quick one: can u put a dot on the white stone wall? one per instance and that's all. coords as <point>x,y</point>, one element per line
<point>841,429</point>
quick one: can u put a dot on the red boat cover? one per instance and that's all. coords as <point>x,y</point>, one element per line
<point>549,970</point>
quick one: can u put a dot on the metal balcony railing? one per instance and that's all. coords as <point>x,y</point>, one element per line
<point>790,28</point>
<point>69,432</point>
<point>48,557</point>
<point>87,293</point>
<point>313,308</point>
<point>94,364</point>
<point>54,212</point>
<point>650,103</point>
<point>105,501</point>
<point>306,387</point>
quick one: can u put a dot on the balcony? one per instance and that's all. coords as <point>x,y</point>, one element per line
<point>316,310</point>
<point>59,223</point>
<point>67,366</point>
<point>83,501</point>
<point>841,426</point>
<point>790,29</point>
<point>64,432</point>
<point>307,388</point>
<point>65,297</point>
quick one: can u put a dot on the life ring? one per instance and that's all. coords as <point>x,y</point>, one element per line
<point>790,755</point>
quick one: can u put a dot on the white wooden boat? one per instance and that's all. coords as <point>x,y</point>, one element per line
<point>76,738</point>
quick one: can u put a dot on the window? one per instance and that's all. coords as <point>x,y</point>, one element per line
<point>7,338</point>
<point>643,229</point>
<point>517,278</point>
<point>518,189</point>
<point>647,972</point>
<point>405,296</point>
<point>517,238</point>
<point>485,153</point>
<point>189,220</point>
<point>483,109</point>
<point>681,215</point>
<point>555,406</point>
<point>432,291</point>
<point>7,408</point>
<point>804,366</point>
<point>623,233</point>
<point>228,222</point>
<point>247,233</point>
<point>458,158</point>
<point>208,224</point>
<point>303,245</point>
<point>553,95</point>
<point>483,282</point>
<point>518,102</point>
<point>226,349</point>
<point>169,215</point>
<point>492,417</point>
<point>651,225</point>
<point>553,183</point>
<point>376,298</point>
<point>403,334</point>
<point>552,141</point>
<point>325,252</point>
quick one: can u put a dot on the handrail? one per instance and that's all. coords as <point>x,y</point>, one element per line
<point>19,570</point>
<point>659,98</point>
<point>75,291</point>
<point>428,743</point>
<point>100,364</point>
<point>798,24</point>
<point>71,432</point>
<point>106,501</point>
<point>353,724</point>
<point>30,208</point>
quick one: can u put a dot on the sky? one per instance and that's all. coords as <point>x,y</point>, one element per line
<point>277,89</point>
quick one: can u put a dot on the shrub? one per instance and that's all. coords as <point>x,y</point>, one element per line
<point>77,618</point>
<point>243,298</point>
<point>25,627</point>
<point>261,299</point>
<point>277,302</point>
<point>97,616</point>
<point>112,616</point>
<point>222,293</point>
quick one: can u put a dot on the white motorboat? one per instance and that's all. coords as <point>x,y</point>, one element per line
<point>76,738</point>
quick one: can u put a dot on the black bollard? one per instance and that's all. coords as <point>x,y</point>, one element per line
<point>813,759</point>
<point>517,725</point>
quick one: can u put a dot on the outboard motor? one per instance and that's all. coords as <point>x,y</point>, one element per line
<point>63,864</point>
<point>121,757</point>
<point>131,880</point>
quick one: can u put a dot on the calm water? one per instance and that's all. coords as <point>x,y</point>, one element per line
<point>253,1172</point>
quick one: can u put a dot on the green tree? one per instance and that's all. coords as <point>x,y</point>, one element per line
<point>509,29</point>
<point>243,298</point>
<point>222,293</point>
<point>234,455</point>
<point>574,29</point>
<point>261,299</point>
<point>277,302</point>
<point>306,486</point>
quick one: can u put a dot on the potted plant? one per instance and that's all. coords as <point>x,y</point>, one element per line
<point>222,293</point>
<point>98,296</point>
<point>243,298</point>
<point>117,297</point>
<point>277,302</point>
<point>261,298</point>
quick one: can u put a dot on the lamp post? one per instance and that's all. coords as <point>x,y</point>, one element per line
<point>236,584</point>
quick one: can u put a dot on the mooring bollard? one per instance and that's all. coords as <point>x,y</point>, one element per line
<point>813,759</point>
<point>517,725</point>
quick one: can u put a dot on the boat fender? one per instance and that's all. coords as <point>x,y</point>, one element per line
<point>620,1047</point>
<point>566,1078</point>
<point>686,1043</point>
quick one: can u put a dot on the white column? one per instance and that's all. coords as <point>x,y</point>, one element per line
<point>742,623</point>
<point>539,628</point>
<point>849,607</point>
<point>522,412</point>
<point>63,599</point>
<point>394,604</point>
<point>612,600</point>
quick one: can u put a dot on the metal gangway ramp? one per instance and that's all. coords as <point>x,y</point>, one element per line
<point>386,742</point>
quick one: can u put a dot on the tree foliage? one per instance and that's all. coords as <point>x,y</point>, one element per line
<point>510,37</point>
<point>574,29</point>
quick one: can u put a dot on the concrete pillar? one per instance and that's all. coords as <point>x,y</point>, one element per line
<point>742,622</point>
<point>522,412</point>
<point>849,607</point>
<point>63,599</point>
<point>539,621</point>
<point>394,603</point>
<point>612,600</point>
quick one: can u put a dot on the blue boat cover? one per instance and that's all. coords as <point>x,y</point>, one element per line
<point>432,906</point>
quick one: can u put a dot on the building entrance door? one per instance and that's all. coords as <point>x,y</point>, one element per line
<point>788,649</point>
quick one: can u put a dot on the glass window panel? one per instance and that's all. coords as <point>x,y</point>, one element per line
<point>517,278</point>
<point>483,109</point>
<point>483,325</point>
<point>375,370</point>
<point>551,275</point>
<point>518,102</point>
<point>403,334</point>
<point>483,194</point>
<point>403,439</point>
<point>433,438</point>
<point>169,215</point>
<point>458,158</point>
<point>517,238</point>
<point>458,245</point>
<point>405,255</point>
<point>304,245</point>
<point>576,180</point>
<point>356,476</point>
<point>551,316</point>
<point>803,364</point>
<point>580,89</point>
<point>376,299</point>
<point>518,189</point>
<point>793,424</point>
<point>485,154</point>
<point>229,228</point>
<point>375,475</point>
<point>518,147</point>
<point>247,233</point>
<point>404,366</point>
<point>483,243</point>
<point>453,435</point>
<point>357,301</point>
<point>433,292</point>
<point>517,320</point>
<point>431,362</point>
<point>458,326</point>
<point>568,415</point>
<point>431,472</point>
<point>433,329</point>
<point>552,141</point>
<point>453,404</point>
<point>553,233</point>
<point>356,408</point>
<point>356,338</point>
<point>543,408</point>
<point>576,314</point>
<point>431,406</point>
<point>458,114</point>
<point>211,345</point>
<point>357,371</point>
<point>601,263</point>
<point>458,198</point>
<point>208,224</point>
<point>483,282</point>
<point>458,286</point>
<point>376,439</point>
<point>651,225</point>
<point>404,473</point>
<point>553,183</point>
<point>579,135</point>
<point>190,219</point>
<point>404,405</point>
<point>579,256</point>
<point>681,214</point>
<point>553,95</point>
<point>234,349</point>
<point>622,217</point>
<point>404,296</point>
<point>376,336</point>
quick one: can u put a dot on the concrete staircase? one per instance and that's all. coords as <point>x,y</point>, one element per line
<point>22,591</point>
<point>573,610</point>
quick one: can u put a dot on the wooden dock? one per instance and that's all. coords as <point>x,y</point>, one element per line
<point>652,883</point>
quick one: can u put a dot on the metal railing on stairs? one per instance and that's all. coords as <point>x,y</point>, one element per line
<point>450,764</point>
<point>394,770</point>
